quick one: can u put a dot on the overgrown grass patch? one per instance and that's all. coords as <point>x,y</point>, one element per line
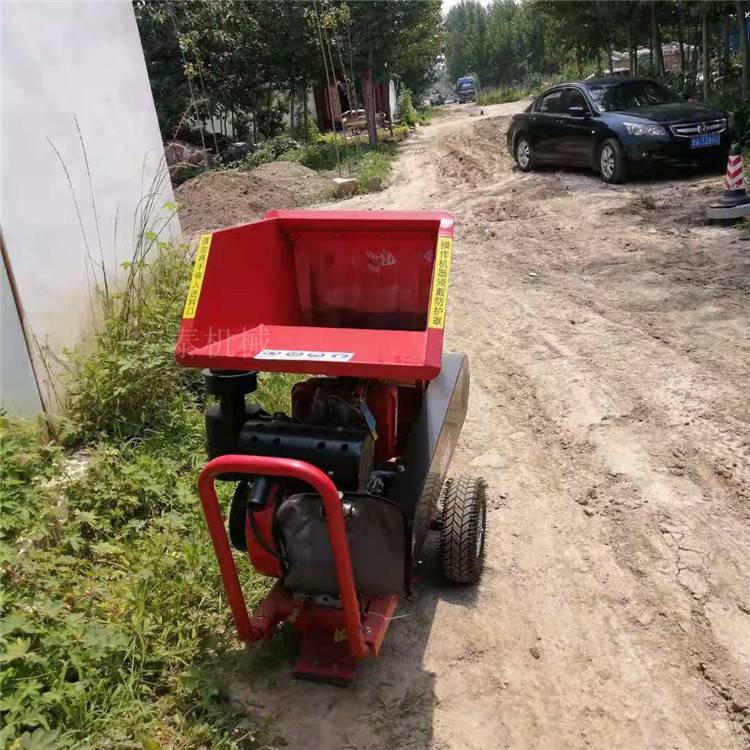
<point>371,166</point>
<point>113,615</point>
<point>501,95</point>
<point>373,169</point>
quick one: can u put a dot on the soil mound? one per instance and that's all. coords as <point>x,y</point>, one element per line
<point>218,199</point>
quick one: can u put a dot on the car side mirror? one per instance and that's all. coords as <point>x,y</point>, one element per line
<point>578,112</point>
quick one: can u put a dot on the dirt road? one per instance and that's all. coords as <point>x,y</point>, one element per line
<point>608,336</point>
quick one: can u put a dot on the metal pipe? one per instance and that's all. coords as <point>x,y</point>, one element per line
<point>305,472</point>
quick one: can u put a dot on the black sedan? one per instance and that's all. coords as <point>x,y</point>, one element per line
<point>614,125</point>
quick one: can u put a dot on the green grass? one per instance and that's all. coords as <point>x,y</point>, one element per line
<point>501,95</point>
<point>115,632</point>
<point>371,166</point>
<point>373,169</point>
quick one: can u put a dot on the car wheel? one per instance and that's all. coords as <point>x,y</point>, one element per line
<point>524,154</point>
<point>613,166</point>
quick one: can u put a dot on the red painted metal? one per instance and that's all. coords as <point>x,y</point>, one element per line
<point>324,659</point>
<point>277,607</point>
<point>325,654</point>
<point>377,619</point>
<point>262,560</point>
<point>382,400</point>
<point>280,467</point>
<point>351,284</point>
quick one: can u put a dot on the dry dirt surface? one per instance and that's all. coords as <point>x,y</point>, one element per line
<point>219,199</point>
<point>607,330</point>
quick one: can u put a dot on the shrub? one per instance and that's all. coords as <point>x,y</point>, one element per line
<point>269,151</point>
<point>373,169</point>
<point>406,110</point>
<point>728,97</point>
<point>125,384</point>
<point>312,132</point>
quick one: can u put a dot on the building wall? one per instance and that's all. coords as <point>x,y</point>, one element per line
<point>62,62</point>
<point>19,391</point>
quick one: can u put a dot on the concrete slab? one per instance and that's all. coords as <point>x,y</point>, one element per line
<point>344,186</point>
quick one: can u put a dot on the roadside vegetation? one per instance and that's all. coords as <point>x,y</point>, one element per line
<point>113,618</point>
<point>249,67</point>
<point>332,152</point>
<point>501,95</point>
<point>518,48</point>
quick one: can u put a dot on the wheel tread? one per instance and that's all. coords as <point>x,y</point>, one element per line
<point>464,502</point>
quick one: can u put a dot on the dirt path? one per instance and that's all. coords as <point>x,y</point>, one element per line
<point>608,337</point>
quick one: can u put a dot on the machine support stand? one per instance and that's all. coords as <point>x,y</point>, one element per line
<point>322,484</point>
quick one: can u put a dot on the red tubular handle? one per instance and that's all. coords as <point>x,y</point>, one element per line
<point>280,467</point>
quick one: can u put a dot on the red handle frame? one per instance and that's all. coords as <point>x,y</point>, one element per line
<point>305,472</point>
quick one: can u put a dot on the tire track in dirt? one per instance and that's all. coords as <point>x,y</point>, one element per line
<point>607,334</point>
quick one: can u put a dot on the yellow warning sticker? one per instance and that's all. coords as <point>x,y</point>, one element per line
<point>196,282</point>
<point>439,293</point>
<point>339,635</point>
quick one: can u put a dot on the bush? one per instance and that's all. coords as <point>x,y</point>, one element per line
<point>728,97</point>
<point>312,132</point>
<point>406,110</point>
<point>373,169</point>
<point>125,384</point>
<point>270,150</point>
<point>319,156</point>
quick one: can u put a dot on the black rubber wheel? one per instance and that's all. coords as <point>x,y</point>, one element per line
<point>237,513</point>
<point>463,529</point>
<point>613,165</point>
<point>524,153</point>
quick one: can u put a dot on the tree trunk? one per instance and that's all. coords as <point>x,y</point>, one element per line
<point>694,60</point>
<point>269,102</point>
<point>579,60</point>
<point>305,113</point>
<point>631,65</point>
<point>725,51</point>
<point>659,52</point>
<point>650,55</point>
<point>291,111</point>
<point>744,52</point>
<point>609,58</point>
<point>706,60</point>
<point>681,42</point>
<point>653,57</point>
<point>372,131</point>
<point>599,70</point>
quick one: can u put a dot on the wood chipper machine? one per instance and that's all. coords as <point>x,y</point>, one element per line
<point>335,498</point>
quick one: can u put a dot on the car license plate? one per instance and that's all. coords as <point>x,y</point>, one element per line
<point>702,141</point>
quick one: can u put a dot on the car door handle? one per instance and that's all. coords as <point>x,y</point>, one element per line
<point>559,120</point>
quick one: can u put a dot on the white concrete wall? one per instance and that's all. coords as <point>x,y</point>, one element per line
<point>17,385</point>
<point>61,62</point>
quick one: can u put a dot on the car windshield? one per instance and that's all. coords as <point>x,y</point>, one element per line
<point>465,85</point>
<point>631,95</point>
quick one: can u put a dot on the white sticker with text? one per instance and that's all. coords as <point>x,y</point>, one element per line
<point>298,354</point>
